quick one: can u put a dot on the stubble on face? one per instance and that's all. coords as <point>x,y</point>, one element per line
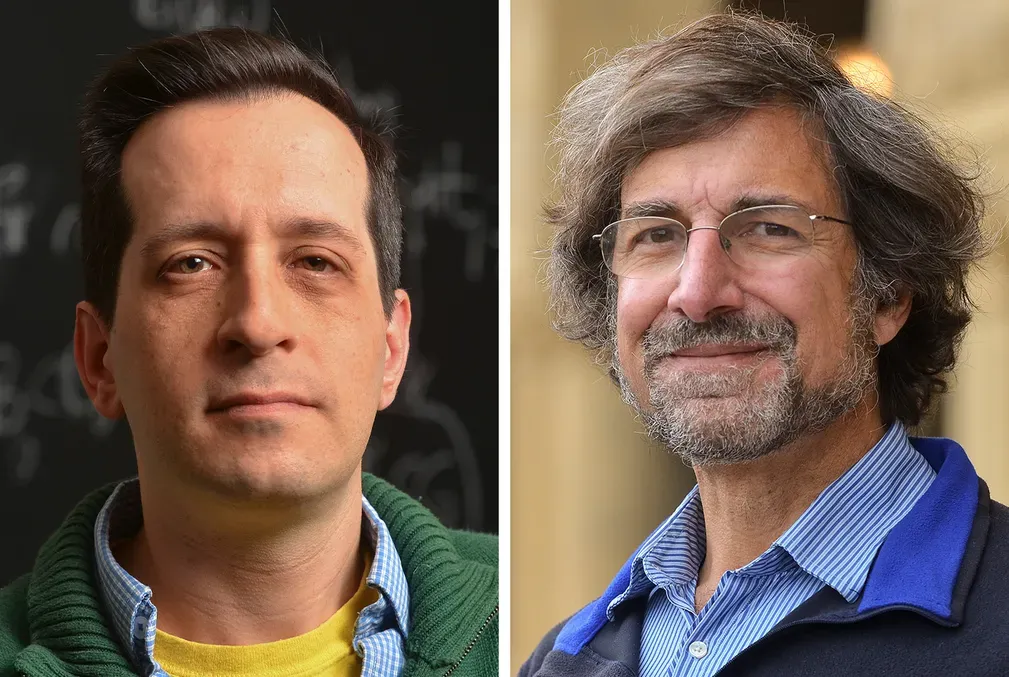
<point>731,415</point>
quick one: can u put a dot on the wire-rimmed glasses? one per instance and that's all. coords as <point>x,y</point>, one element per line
<point>755,238</point>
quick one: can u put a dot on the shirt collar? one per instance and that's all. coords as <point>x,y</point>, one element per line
<point>838,536</point>
<point>386,573</point>
<point>133,616</point>
<point>131,613</point>
<point>671,555</point>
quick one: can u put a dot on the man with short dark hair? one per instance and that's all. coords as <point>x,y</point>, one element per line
<point>774,265</point>
<point>242,233</point>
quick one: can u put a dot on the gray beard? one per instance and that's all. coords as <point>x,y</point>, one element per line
<point>726,417</point>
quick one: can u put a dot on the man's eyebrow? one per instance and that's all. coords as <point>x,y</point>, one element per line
<point>318,229</point>
<point>174,232</point>
<point>321,229</point>
<point>664,208</point>
<point>762,199</point>
<point>671,210</point>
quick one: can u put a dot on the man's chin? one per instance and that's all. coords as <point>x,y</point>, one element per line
<point>258,484</point>
<point>274,472</point>
<point>685,387</point>
<point>722,404</point>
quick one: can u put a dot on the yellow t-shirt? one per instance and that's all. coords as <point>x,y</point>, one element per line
<point>327,651</point>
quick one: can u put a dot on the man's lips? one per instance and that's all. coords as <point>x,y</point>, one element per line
<point>712,350</point>
<point>258,401</point>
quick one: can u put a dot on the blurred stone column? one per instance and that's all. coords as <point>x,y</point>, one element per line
<point>586,486</point>
<point>952,58</point>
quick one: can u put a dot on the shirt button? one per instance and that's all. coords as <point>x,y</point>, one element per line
<point>698,649</point>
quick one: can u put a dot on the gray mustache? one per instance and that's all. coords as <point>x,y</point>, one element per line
<point>659,341</point>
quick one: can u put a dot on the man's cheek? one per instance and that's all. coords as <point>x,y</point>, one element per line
<point>635,313</point>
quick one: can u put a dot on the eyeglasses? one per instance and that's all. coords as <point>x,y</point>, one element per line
<point>757,238</point>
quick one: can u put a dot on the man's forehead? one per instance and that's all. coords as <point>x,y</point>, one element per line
<point>767,154</point>
<point>284,120</point>
<point>218,161</point>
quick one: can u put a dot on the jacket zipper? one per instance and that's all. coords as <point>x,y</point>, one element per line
<point>472,642</point>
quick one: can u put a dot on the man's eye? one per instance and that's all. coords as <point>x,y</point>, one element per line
<point>656,235</point>
<point>316,264</point>
<point>773,230</point>
<point>191,264</point>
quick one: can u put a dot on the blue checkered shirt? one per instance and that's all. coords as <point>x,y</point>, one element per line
<point>833,543</point>
<point>378,635</point>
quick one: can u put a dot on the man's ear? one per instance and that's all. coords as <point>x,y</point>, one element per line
<point>91,354</point>
<point>891,318</point>
<point>397,345</point>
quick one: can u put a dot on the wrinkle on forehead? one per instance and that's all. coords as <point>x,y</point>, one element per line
<point>775,150</point>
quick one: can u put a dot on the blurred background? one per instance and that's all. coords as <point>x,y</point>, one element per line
<point>438,441</point>
<point>587,485</point>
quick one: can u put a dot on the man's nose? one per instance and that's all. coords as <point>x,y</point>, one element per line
<point>705,284</point>
<point>259,316</point>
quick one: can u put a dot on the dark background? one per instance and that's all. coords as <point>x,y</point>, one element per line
<point>843,20</point>
<point>434,65</point>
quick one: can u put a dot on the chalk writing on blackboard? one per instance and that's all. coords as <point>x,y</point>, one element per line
<point>444,191</point>
<point>14,404</point>
<point>15,211</point>
<point>444,195</point>
<point>51,390</point>
<point>186,16</point>
<point>65,229</point>
<point>21,453</point>
<point>55,391</point>
<point>22,456</point>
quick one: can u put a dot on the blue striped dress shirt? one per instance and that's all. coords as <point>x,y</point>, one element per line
<point>378,635</point>
<point>833,543</point>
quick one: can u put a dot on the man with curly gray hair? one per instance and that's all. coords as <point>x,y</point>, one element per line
<point>773,265</point>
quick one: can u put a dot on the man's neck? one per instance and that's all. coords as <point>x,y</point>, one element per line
<point>747,506</point>
<point>247,575</point>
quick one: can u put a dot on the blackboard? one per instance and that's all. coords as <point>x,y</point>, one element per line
<point>432,66</point>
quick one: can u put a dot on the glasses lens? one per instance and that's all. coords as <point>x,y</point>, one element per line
<point>643,247</point>
<point>767,236</point>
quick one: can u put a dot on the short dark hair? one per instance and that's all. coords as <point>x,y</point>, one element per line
<point>917,212</point>
<point>218,64</point>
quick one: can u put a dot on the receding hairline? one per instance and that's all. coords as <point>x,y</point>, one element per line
<point>258,94</point>
<point>306,225</point>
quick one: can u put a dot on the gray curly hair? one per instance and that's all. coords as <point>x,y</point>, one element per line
<point>917,212</point>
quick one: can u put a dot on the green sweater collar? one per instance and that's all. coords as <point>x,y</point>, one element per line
<point>451,597</point>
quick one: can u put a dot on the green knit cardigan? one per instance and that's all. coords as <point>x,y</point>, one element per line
<point>52,620</point>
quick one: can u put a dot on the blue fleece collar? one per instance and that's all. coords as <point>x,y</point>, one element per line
<point>920,560</point>
<point>917,565</point>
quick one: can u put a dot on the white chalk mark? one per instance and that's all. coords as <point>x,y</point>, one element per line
<point>173,16</point>
<point>14,405</point>
<point>15,214</point>
<point>28,454</point>
<point>442,190</point>
<point>67,223</point>
<point>55,391</point>
<point>418,404</point>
